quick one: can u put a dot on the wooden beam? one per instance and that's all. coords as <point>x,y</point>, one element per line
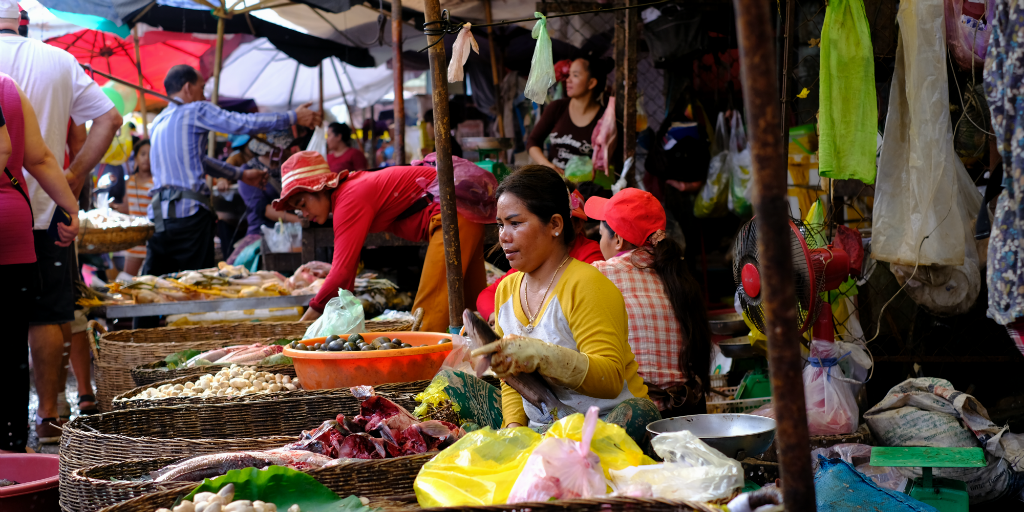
<point>631,29</point>
<point>495,74</point>
<point>398,133</point>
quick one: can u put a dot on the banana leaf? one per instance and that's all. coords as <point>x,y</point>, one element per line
<point>283,487</point>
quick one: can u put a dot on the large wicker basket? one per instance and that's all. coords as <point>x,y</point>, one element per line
<point>99,241</point>
<point>157,372</point>
<point>90,489</point>
<point>401,393</point>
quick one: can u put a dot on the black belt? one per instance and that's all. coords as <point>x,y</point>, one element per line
<point>173,195</point>
<point>420,204</point>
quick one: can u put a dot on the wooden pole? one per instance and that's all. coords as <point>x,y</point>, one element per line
<point>630,29</point>
<point>218,53</point>
<point>142,96</point>
<point>771,208</point>
<point>445,171</point>
<point>398,133</point>
<point>495,75</point>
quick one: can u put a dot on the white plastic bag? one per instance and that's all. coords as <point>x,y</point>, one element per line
<point>318,142</point>
<point>692,471</point>
<point>741,183</point>
<point>283,237</point>
<point>562,469</point>
<point>342,315</point>
<point>831,406</point>
<point>919,184</point>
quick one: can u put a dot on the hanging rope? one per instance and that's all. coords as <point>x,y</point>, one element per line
<point>445,26</point>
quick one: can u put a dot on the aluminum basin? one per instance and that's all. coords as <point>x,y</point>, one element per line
<point>736,435</point>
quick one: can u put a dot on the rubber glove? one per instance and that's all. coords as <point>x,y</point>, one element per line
<point>514,355</point>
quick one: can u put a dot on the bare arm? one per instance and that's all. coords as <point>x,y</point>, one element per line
<point>39,162</point>
<point>5,146</point>
<point>273,214</point>
<point>96,144</point>
<point>76,140</point>
<point>537,155</point>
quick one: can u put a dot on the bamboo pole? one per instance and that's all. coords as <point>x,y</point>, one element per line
<point>398,133</point>
<point>142,96</point>
<point>218,53</point>
<point>445,171</point>
<point>495,75</point>
<point>771,208</point>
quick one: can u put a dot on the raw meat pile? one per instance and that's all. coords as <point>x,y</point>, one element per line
<point>382,429</point>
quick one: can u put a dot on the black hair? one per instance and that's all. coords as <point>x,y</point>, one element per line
<point>139,145</point>
<point>23,27</point>
<point>428,116</point>
<point>688,304</point>
<point>178,76</point>
<point>543,192</point>
<point>343,130</point>
<point>598,68</point>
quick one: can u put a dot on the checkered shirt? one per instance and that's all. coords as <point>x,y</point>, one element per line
<point>654,332</point>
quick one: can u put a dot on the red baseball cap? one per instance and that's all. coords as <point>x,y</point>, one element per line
<point>305,171</point>
<point>633,214</point>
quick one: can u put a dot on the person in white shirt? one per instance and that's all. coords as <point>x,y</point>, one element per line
<point>58,89</point>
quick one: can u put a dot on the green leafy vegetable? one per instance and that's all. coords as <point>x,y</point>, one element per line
<point>284,341</point>
<point>178,359</point>
<point>277,359</point>
<point>283,487</point>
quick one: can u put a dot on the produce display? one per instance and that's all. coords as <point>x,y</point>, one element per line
<point>100,219</point>
<point>383,429</point>
<point>256,353</point>
<point>232,381</point>
<point>355,343</point>
<point>223,501</point>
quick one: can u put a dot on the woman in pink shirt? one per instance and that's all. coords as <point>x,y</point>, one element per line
<point>21,145</point>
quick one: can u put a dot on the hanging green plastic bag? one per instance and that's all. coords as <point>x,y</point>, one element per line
<point>542,66</point>
<point>741,183</point>
<point>713,199</point>
<point>479,469</point>
<point>848,114</point>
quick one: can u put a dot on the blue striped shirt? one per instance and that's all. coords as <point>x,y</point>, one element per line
<point>178,153</point>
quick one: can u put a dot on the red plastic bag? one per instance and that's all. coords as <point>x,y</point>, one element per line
<point>831,406</point>
<point>562,469</point>
<point>474,189</point>
<point>968,27</point>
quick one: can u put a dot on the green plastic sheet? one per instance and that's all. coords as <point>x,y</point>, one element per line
<point>848,110</point>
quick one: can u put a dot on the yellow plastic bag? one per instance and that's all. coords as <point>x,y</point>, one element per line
<point>479,469</point>
<point>611,443</point>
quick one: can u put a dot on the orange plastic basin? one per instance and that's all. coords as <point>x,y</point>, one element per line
<point>330,370</point>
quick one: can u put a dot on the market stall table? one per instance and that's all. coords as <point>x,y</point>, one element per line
<point>201,306</point>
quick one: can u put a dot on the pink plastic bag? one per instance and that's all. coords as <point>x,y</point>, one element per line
<point>968,27</point>
<point>474,189</point>
<point>460,53</point>
<point>831,406</point>
<point>562,469</point>
<point>604,137</point>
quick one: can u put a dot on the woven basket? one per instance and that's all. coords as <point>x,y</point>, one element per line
<point>92,488</point>
<point>401,393</point>
<point>99,241</point>
<point>157,372</point>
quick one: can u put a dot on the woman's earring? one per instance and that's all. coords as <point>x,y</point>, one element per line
<point>556,234</point>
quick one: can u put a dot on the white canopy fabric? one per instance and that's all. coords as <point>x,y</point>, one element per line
<point>259,71</point>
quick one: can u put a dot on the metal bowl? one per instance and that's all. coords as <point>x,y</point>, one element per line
<point>738,348</point>
<point>729,323</point>
<point>736,435</point>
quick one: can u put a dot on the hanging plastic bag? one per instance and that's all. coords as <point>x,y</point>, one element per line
<point>921,180</point>
<point>713,200</point>
<point>968,28</point>
<point>279,237</point>
<point>479,469</point>
<point>848,113</point>
<point>692,471</point>
<point>741,184</point>
<point>342,315</point>
<point>604,137</point>
<point>460,53</point>
<point>831,406</point>
<point>542,67</point>
<point>561,469</point>
<point>474,189</point>
<point>318,142</point>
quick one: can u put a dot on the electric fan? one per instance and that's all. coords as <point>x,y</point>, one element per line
<point>815,270</point>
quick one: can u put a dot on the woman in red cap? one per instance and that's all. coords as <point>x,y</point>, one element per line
<point>583,249</point>
<point>368,202</point>
<point>668,320</point>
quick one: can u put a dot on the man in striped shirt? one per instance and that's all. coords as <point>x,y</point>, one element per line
<point>181,207</point>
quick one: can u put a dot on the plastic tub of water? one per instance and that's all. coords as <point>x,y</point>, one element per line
<point>37,475</point>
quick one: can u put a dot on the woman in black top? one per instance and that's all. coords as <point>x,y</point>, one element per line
<point>570,122</point>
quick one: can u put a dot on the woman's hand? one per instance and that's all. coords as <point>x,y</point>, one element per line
<point>68,233</point>
<point>515,355</point>
<point>311,314</point>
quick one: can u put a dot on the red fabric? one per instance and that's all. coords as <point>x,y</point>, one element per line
<point>305,171</point>
<point>369,202</point>
<point>351,160</point>
<point>16,227</point>
<point>583,249</point>
<point>654,332</point>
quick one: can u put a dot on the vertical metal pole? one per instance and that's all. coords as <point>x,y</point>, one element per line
<point>398,134</point>
<point>142,95</point>
<point>320,72</point>
<point>771,207</point>
<point>630,31</point>
<point>495,75</point>
<point>445,171</point>
<point>218,53</point>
